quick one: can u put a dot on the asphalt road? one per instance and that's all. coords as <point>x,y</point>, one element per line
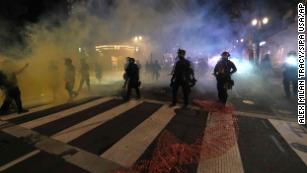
<point>104,133</point>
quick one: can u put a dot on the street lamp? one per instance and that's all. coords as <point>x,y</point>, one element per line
<point>265,20</point>
<point>259,23</point>
<point>137,44</point>
<point>254,22</point>
<point>137,38</point>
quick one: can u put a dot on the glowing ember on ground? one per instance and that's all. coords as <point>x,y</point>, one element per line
<point>172,154</point>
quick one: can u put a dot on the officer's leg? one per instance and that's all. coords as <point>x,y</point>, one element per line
<point>88,83</point>
<point>156,76</point>
<point>81,84</point>
<point>225,95</point>
<point>220,88</point>
<point>175,90</point>
<point>128,91</point>
<point>6,104</point>
<point>17,99</point>
<point>69,90</point>
<point>286,84</point>
<point>137,90</point>
<point>186,92</point>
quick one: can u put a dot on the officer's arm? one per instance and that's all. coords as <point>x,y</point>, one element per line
<point>234,68</point>
<point>22,69</point>
<point>174,71</point>
<point>192,73</point>
<point>215,69</point>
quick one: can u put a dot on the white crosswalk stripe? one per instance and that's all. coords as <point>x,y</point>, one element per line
<point>62,114</point>
<point>133,144</point>
<point>36,109</point>
<point>18,160</point>
<point>128,149</point>
<point>227,161</point>
<point>293,134</point>
<point>136,142</point>
<point>77,130</point>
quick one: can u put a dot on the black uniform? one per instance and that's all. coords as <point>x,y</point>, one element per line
<point>85,75</point>
<point>12,93</point>
<point>290,77</point>
<point>132,74</point>
<point>70,80</point>
<point>223,70</point>
<point>183,75</point>
<point>156,70</point>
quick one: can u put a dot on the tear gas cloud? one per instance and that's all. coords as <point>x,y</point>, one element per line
<point>165,27</point>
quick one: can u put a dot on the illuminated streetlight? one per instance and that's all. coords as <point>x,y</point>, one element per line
<point>254,22</point>
<point>237,41</point>
<point>136,39</point>
<point>262,43</point>
<point>259,24</point>
<point>242,40</point>
<point>265,20</point>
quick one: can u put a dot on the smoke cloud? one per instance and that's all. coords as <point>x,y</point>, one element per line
<point>202,29</point>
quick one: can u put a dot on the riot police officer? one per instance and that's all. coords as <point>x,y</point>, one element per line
<point>290,74</point>
<point>156,70</point>
<point>183,76</point>
<point>9,84</point>
<point>85,75</point>
<point>132,76</point>
<point>223,71</point>
<point>70,74</point>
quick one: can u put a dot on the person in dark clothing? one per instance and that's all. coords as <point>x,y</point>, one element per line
<point>85,75</point>
<point>266,62</point>
<point>290,74</point>
<point>98,71</point>
<point>125,76</point>
<point>132,74</point>
<point>70,78</point>
<point>223,71</point>
<point>156,70</point>
<point>183,76</point>
<point>9,85</point>
<point>266,65</point>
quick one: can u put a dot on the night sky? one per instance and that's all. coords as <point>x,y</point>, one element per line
<point>16,14</point>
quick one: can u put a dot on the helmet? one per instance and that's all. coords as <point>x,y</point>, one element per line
<point>132,60</point>
<point>68,60</point>
<point>181,51</point>
<point>227,54</point>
